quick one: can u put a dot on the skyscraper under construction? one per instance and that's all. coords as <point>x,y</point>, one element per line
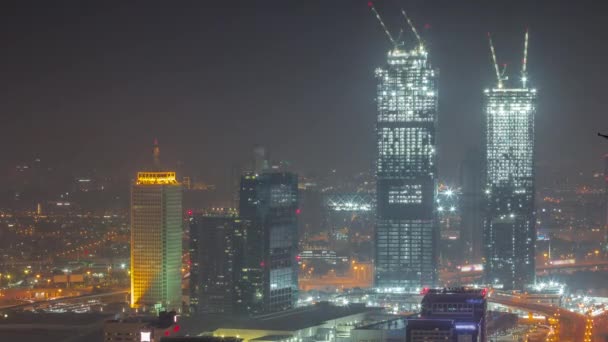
<point>406,224</point>
<point>509,224</point>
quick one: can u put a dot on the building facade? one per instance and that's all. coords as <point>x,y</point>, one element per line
<point>216,255</point>
<point>509,223</point>
<point>270,274</point>
<point>406,223</point>
<point>156,241</point>
<point>606,200</point>
<point>465,308</point>
<point>141,328</point>
<point>472,182</point>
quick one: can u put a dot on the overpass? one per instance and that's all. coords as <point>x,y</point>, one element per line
<point>583,265</point>
<point>541,270</point>
<point>571,325</point>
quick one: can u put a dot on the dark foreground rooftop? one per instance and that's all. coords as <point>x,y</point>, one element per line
<point>291,320</point>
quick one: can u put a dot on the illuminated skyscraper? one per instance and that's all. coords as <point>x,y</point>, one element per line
<point>509,224</point>
<point>406,227</point>
<point>156,239</point>
<point>269,277</point>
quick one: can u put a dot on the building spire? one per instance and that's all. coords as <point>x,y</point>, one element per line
<point>156,154</point>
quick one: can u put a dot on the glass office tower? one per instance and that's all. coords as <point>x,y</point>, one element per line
<point>406,228</point>
<point>269,279</point>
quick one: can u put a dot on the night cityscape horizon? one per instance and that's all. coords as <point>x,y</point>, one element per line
<point>270,171</point>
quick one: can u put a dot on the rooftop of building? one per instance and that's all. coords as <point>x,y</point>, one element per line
<point>291,320</point>
<point>164,320</point>
<point>430,323</point>
<point>391,324</point>
<point>200,339</point>
<point>273,338</point>
<point>156,178</point>
<point>453,294</point>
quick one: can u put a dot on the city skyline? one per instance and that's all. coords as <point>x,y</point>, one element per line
<point>109,86</point>
<point>331,172</point>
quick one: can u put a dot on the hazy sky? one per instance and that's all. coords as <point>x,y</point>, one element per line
<point>91,83</point>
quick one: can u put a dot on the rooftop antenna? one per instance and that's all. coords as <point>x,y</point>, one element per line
<point>388,34</point>
<point>524,62</point>
<point>499,77</point>
<point>504,72</point>
<point>156,154</point>
<point>400,35</point>
<point>411,25</point>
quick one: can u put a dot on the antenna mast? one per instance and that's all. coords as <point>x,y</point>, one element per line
<point>524,62</point>
<point>498,75</point>
<point>388,34</point>
<point>411,25</point>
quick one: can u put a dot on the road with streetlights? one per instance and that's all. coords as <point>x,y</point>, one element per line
<point>570,326</point>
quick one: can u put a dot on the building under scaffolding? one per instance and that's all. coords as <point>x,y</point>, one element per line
<point>509,224</point>
<point>406,226</point>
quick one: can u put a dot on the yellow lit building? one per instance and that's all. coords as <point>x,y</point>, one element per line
<point>156,240</point>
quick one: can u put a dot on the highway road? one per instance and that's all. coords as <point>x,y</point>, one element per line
<point>572,325</point>
<point>44,303</point>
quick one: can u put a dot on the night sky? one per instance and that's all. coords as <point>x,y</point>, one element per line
<point>89,84</point>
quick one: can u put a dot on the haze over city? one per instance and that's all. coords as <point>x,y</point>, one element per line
<point>92,84</point>
<point>303,171</point>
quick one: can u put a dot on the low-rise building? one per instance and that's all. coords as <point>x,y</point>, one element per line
<point>141,328</point>
<point>321,322</point>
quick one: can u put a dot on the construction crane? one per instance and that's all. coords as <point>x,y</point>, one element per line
<point>409,22</point>
<point>524,62</point>
<point>500,76</point>
<point>602,135</point>
<point>388,34</point>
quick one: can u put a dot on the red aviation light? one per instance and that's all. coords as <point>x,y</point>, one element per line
<point>484,292</point>
<point>370,4</point>
<point>176,328</point>
<point>425,291</point>
<point>166,332</point>
<point>298,211</point>
<point>190,212</point>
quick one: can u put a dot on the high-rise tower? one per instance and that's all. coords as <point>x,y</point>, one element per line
<point>269,278</point>
<point>509,224</point>
<point>406,222</point>
<point>156,239</point>
<point>472,182</point>
<point>217,247</point>
<point>606,200</point>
